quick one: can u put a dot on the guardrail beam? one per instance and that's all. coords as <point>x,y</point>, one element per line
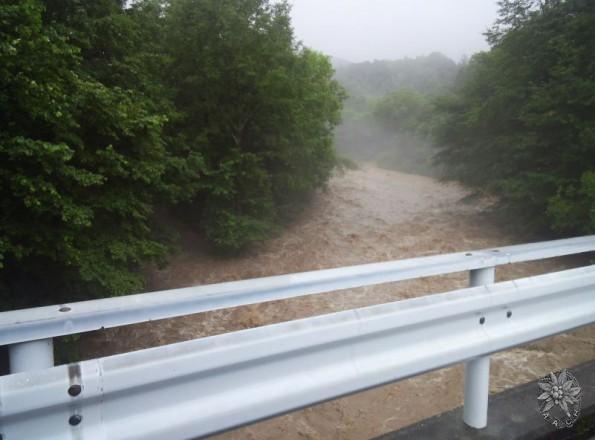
<point>201,387</point>
<point>31,356</point>
<point>67,319</point>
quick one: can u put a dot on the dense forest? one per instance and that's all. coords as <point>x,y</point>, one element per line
<point>115,111</point>
<point>520,123</point>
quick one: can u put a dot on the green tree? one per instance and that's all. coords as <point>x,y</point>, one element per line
<point>110,111</point>
<point>521,122</point>
<point>82,160</point>
<point>258,106</point>
<point>403,110</point>
<point>405,117</point>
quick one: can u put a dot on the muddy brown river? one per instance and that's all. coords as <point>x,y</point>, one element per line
<point>365,216</point>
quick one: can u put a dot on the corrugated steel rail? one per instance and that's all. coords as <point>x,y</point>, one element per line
<point>201,387</point>
<point>45,322</point>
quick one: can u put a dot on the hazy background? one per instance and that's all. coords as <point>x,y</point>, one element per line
<point>361,30</point>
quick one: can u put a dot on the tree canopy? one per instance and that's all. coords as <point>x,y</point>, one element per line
<point>110,112</point>
<point>521,123</point>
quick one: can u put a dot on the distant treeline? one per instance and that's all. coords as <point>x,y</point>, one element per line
<point>388,112</point>
<point>112,110</point>
<point>520,123</point>
<point>426,74</point>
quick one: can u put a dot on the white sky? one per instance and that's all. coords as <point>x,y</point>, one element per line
<point>360,30</point>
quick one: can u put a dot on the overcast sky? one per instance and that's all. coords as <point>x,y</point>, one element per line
<point>360,30</point>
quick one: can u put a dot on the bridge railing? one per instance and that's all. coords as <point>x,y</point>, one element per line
<point>204,386</point>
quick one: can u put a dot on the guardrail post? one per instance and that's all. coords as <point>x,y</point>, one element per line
<point>477,371</point>
<point>31,356</point>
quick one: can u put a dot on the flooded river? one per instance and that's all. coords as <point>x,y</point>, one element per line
<point>365,216</point>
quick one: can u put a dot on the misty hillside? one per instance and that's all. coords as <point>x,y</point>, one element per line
<point>426,74</point>
<point>379,93</point>
<point>339,63</point>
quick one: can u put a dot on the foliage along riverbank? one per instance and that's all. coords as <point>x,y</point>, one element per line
<point>113,110</point>
<point>520,123</point>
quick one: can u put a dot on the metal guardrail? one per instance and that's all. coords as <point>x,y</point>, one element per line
<point>65,319</point>
<point>200,387</point>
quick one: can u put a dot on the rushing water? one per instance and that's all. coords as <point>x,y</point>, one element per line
<point>365,216</point>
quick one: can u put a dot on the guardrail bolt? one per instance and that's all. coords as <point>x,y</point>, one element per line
<point>75,419</point>
<point>509,314</point>
<point>482,320</point>
<point>74,390</point>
